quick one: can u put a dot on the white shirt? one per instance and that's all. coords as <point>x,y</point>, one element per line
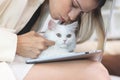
<point>14,15</point>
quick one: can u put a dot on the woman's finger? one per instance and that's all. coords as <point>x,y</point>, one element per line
<point>49,43</point>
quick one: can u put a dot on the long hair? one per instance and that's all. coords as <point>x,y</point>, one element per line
<point>88,22</point>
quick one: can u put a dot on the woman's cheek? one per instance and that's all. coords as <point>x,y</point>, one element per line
<point>54,15</point>
<point>73,14</point>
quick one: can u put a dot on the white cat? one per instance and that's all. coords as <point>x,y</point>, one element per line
<point>63,36</point>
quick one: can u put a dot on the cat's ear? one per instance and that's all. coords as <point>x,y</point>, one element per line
<point>51,25</point>
<point>73,26</point>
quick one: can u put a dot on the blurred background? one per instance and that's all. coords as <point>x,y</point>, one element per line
<point>111,17</point>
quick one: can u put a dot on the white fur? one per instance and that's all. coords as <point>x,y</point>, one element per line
<point>60,46</point>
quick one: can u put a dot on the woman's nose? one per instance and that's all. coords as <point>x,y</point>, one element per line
<point>73,14</point>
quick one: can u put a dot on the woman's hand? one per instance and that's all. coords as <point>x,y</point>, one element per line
<point>31,44</point>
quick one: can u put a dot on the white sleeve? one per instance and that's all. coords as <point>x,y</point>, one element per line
<point>5,72</point>
<point>8,43</point>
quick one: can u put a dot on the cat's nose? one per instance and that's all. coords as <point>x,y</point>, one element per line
<point>65,41</point>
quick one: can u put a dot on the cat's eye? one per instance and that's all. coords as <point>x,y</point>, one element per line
<point>69,35</point>
<point>58,35</point>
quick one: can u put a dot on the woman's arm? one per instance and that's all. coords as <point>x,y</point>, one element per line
<point>14,15</point>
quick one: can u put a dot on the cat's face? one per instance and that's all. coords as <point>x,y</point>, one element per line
<point>63,35</point>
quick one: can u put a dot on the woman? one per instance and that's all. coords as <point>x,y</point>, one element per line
<point>14,17</point>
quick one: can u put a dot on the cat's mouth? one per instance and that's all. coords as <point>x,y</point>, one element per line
<point>63,46</point>
<point>64,43</point>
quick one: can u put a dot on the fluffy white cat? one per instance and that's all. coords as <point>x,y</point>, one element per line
<point>63,36</point>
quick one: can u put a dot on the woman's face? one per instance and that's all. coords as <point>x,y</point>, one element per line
<point>68,10</point>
